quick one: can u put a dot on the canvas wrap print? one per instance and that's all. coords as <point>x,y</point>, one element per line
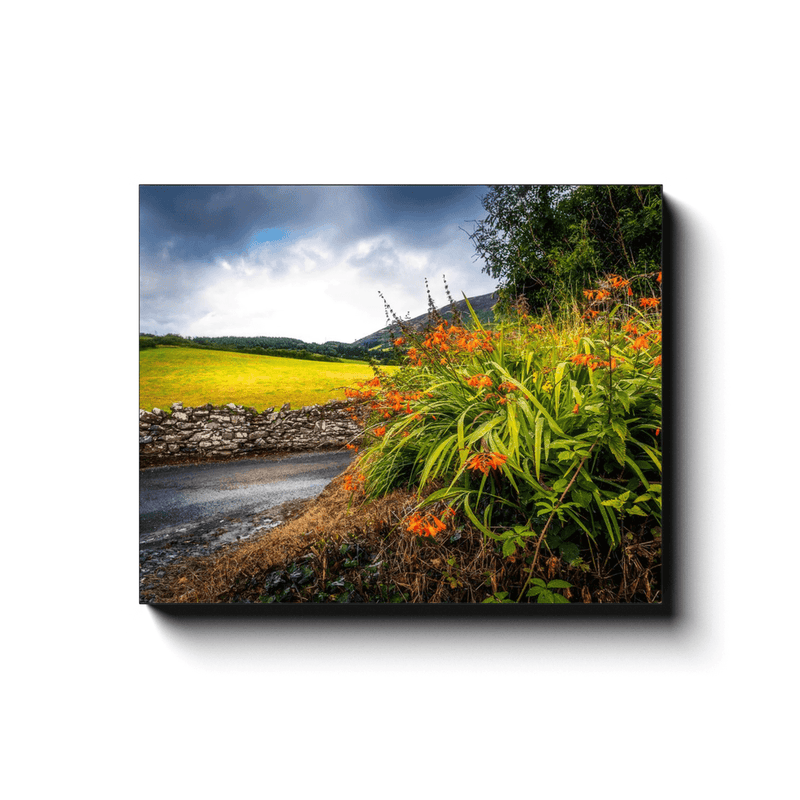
<point>412,396</point>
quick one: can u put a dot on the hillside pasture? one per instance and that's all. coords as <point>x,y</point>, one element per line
<point>170,375</point>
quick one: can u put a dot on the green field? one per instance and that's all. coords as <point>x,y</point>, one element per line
<point>170,375</point>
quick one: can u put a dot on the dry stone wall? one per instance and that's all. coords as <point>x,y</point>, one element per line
<point>220,432</point>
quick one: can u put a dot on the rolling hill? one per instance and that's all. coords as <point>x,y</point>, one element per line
<point>481,304</point>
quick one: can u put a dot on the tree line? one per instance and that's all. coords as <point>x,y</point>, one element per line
<point>278,346</point>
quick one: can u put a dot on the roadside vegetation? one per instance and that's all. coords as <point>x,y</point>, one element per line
<point>196,377</point>
<point>518,462</point>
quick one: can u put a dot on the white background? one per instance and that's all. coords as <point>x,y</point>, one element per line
<point>104,698</point>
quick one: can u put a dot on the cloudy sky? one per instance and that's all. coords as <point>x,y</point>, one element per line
<point>302,261</point>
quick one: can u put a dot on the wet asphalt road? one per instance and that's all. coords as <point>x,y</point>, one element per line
<point>211,493</point>
<point>194,510</point>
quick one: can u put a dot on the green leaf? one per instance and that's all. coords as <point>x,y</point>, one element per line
<point>557,583</point>
<point>553,424</point>
<point>558,378</point>
<point>624,398</point>
<point>577,396</point>
<point>460,429</point>
<point>652,453</point>
<point>583,499</point>
<point>609,521</point>
<point>569,552</point>
<point>635,467</point>
<point>617,449</point>
<point>478,524</point>
<point>537,445</point>
<point>513,429</point>
<point>432,461</point>
<point>473,314</point>
<point>620,428</point>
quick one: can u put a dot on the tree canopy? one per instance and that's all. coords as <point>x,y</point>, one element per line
<point>548,243</point>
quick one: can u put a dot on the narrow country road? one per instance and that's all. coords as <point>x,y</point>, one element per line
<point>169,496</point>
<point>194,509</point>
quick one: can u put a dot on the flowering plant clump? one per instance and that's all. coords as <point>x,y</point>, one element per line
<point>549,428</point>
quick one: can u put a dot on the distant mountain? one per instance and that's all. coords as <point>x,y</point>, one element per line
<point>482,305</point>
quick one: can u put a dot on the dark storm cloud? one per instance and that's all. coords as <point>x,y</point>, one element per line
<point>198,222</point>
<point>421,215</point>
<point>186,223</point>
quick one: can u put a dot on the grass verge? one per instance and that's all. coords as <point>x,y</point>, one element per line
<point>343,549</point>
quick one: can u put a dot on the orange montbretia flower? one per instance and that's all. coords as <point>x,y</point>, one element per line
<point>453,339</point>
<point>649,302</point>
<point>480,380</point>
<point>380,431</point>
<point>353,483</point>
<point>484,462</point>
<point>657,361</point>
<point>425,524</point>
<point>358,394</point>
<point>582,359</point>
<point>630,327</point>
<point>593,362</point>
<point>598,364</point>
